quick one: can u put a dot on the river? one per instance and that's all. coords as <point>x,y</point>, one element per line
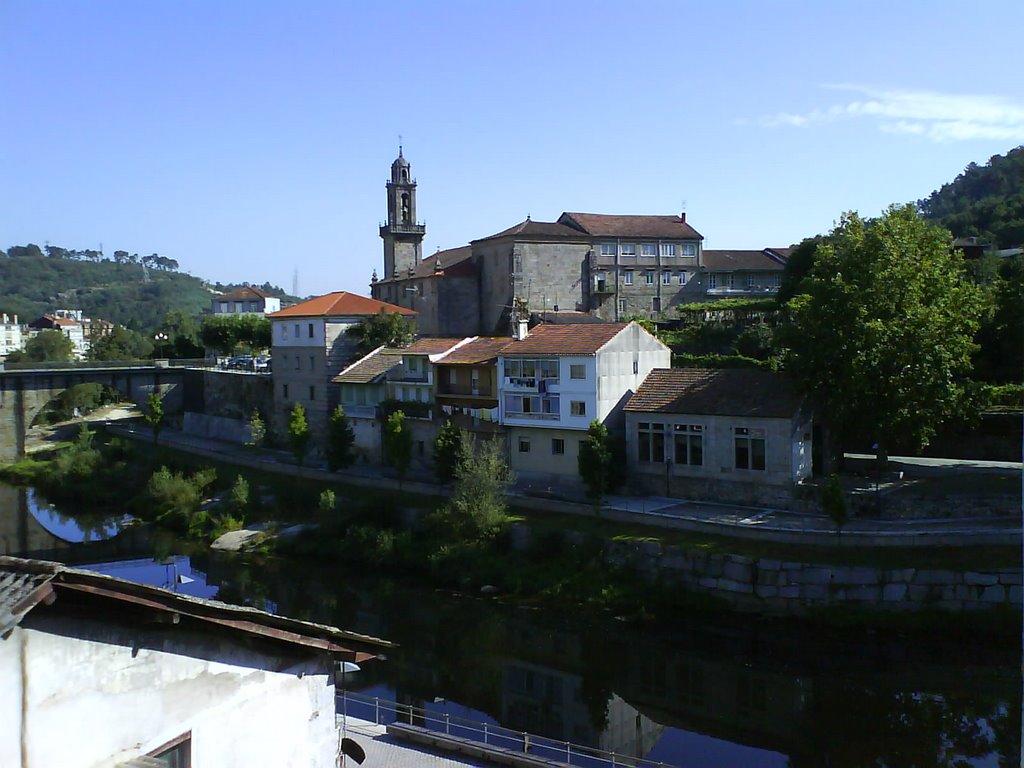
<point>722,692</point>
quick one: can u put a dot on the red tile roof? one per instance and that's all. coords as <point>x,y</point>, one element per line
<point>550,339</point>
<point>480,350</point>
<point>741,260</point>
<point>544,229</point>
<point>604,225</point>
<point>339,303</point>
<point>371,367</point>
<point>716,392</point>
<point>246,292</point>
<point>431,346</point>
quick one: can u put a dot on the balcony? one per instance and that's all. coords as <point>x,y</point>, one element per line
<point>403,229</point>
<point>465,390</point>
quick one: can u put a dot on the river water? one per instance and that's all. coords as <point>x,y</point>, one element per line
<point>707,693</point>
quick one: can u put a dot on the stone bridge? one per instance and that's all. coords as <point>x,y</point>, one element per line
<point>25,392</point>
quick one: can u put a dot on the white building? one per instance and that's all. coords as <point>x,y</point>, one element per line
<point>11,337</point>
<point>97,671</point>
<point>555,380</point>
<point>247,300</point>
<point>71,327</point>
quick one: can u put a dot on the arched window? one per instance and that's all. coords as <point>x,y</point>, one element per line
<point>405,174</point>
<point>405,207</point>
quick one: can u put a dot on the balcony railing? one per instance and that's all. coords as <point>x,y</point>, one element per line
<point>464,390</point>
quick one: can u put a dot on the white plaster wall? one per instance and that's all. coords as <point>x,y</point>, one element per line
<point>97,704</point>
<point>615,374</point>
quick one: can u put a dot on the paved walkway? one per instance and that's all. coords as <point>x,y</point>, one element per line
<point>383,751</point>
<point>704,516</point>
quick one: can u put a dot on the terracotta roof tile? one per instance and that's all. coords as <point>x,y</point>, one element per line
<point>550,339</point>
<point>246,292</point>
<point>742,260</point>
<point>371,367</point>
<point>479,350</point>
<point>431,346</point>
<point>716,392</point>
<point>339,303</point>
<point>605,225</point>
<point>530,228</point>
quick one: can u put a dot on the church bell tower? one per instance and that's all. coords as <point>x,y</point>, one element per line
<point>402,234</point>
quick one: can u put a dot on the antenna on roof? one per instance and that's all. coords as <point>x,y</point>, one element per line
<point>295,282</point>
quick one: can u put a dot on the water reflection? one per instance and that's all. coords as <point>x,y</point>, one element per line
<point>724,693</point>
<point>80,526</point>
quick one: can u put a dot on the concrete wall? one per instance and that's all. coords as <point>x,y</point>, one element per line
<point>540,465</point>
<point>622,366</point>
<point>122,693</point>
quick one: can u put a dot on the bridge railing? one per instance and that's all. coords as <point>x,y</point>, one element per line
<point>79,365</point>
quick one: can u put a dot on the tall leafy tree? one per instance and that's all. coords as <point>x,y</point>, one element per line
<point>883,330</point>
<point>299,433</point>
<point>398,443</point>
<point>120,344</point>
<point>154,414</point>
<point>595,462</point>
<point>477,507</point>
<point>449,452</point>
<point>383,329</point>
<point>46,347</point>
<point>341,440</point>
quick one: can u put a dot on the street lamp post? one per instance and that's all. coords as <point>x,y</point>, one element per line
<point>161,339</point>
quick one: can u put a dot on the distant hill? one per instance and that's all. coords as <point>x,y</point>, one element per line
<point>984,201</point>
<point>126,289</point>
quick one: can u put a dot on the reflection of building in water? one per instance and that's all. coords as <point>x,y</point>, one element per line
<point>20,532</point>
<point>551,703</point>
<point>720,697</point>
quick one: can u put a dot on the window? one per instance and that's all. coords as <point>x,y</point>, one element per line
<point>312,393</point>
<point>656,304</point>
<point>176,753</point>
<point>609,249</point>
<point>712,280</point>
<point>751,279</point>
<point>749,443</point>
<point>524,445</point>
<point>296,330</point>
<point>681,275</point>
<point>649,249</point>
<point>689,444</point>
<point>284,391</point>
<point>628,249</point>
<point>557,446</point>
<point>649,277</point>
<point>689,249</point>
<point>627,277</point>
<point>312,363</point>
<point>650,443</point>
<point>636,367</point>
<point>577,408</point>
<point>666,278</point>
<point>284,359</point>
<point>310,330</point>
<point>452,376</point>
<point>284,331</point>
<point>298,363</point>
<point>621,306</point>
<point>577,371</point>
<point>668,249</point>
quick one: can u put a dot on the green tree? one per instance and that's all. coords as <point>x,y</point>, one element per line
<point>595,463</point>
<point>477,508</point>
<point>388,329</point>
<point>398,443</point>
<point>238,499</point>
<point>327,502</point>
<point>882,334</point>
<point>48,347</point>
<point>226,333</point>
<point>341,440</point>
<point>182,330</point>
<point>154,414</point>
<point>449,451</point>
<point>833,503</point>
<point>120,344</point>
<point>173,500</point>
<point>257,429</point>
<point>299,433</point>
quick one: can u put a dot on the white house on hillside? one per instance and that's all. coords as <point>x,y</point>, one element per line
<point>245,300</point>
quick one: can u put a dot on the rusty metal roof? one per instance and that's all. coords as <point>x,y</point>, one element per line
<point>26,583</point>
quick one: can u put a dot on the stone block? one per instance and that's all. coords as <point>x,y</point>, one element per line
<point>812,575</point>
<point>739,559</point>
<point>936,577</point>
<point>789,566</point>
<point>766,564</point>
<point>919,592</point>
<point>675,562</point>
<point>708,582</point>
<point>713,567</point>
<point>964,592</point>
<point>863,593</point>
<point>1016,595</point>
<point>728,585</point>
<point>859,576</point>
<point>894,593</point>
<point>789,592</point>
<point>738,571</point>
<point>651,548</point>
<point>1010,577</point>
<point>980,579</point>
<point>900,575</point>
<point>995,594</point>
<point>763,590</point>
<point>815,592</point>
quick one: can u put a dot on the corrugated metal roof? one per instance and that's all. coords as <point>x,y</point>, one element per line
<point>20,592</point>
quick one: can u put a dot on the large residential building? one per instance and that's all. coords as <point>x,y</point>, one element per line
<point>556,380</point>
<point>610,266</point>
<point>245,300</point>
<point>310,345</point>
<point>70,326</point>
<point>10,334</point>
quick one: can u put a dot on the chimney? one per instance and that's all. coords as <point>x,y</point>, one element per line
<point>520,329</point>
<point>682,217</point>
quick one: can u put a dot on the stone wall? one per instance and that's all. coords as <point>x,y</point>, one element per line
<point>790,587</point>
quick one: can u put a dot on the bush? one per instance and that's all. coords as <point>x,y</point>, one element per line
<point>477,508</point>
<point>173,500</point>
<point>238,500</point>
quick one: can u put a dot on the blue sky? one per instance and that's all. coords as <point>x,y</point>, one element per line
<point>250,139</point>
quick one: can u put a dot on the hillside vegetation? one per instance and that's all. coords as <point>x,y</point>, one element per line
<point>985,201</point>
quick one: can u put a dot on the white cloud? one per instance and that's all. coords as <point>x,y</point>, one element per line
<point>936,116</point>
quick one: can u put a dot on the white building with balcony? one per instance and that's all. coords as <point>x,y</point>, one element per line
<point>556,380</point>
